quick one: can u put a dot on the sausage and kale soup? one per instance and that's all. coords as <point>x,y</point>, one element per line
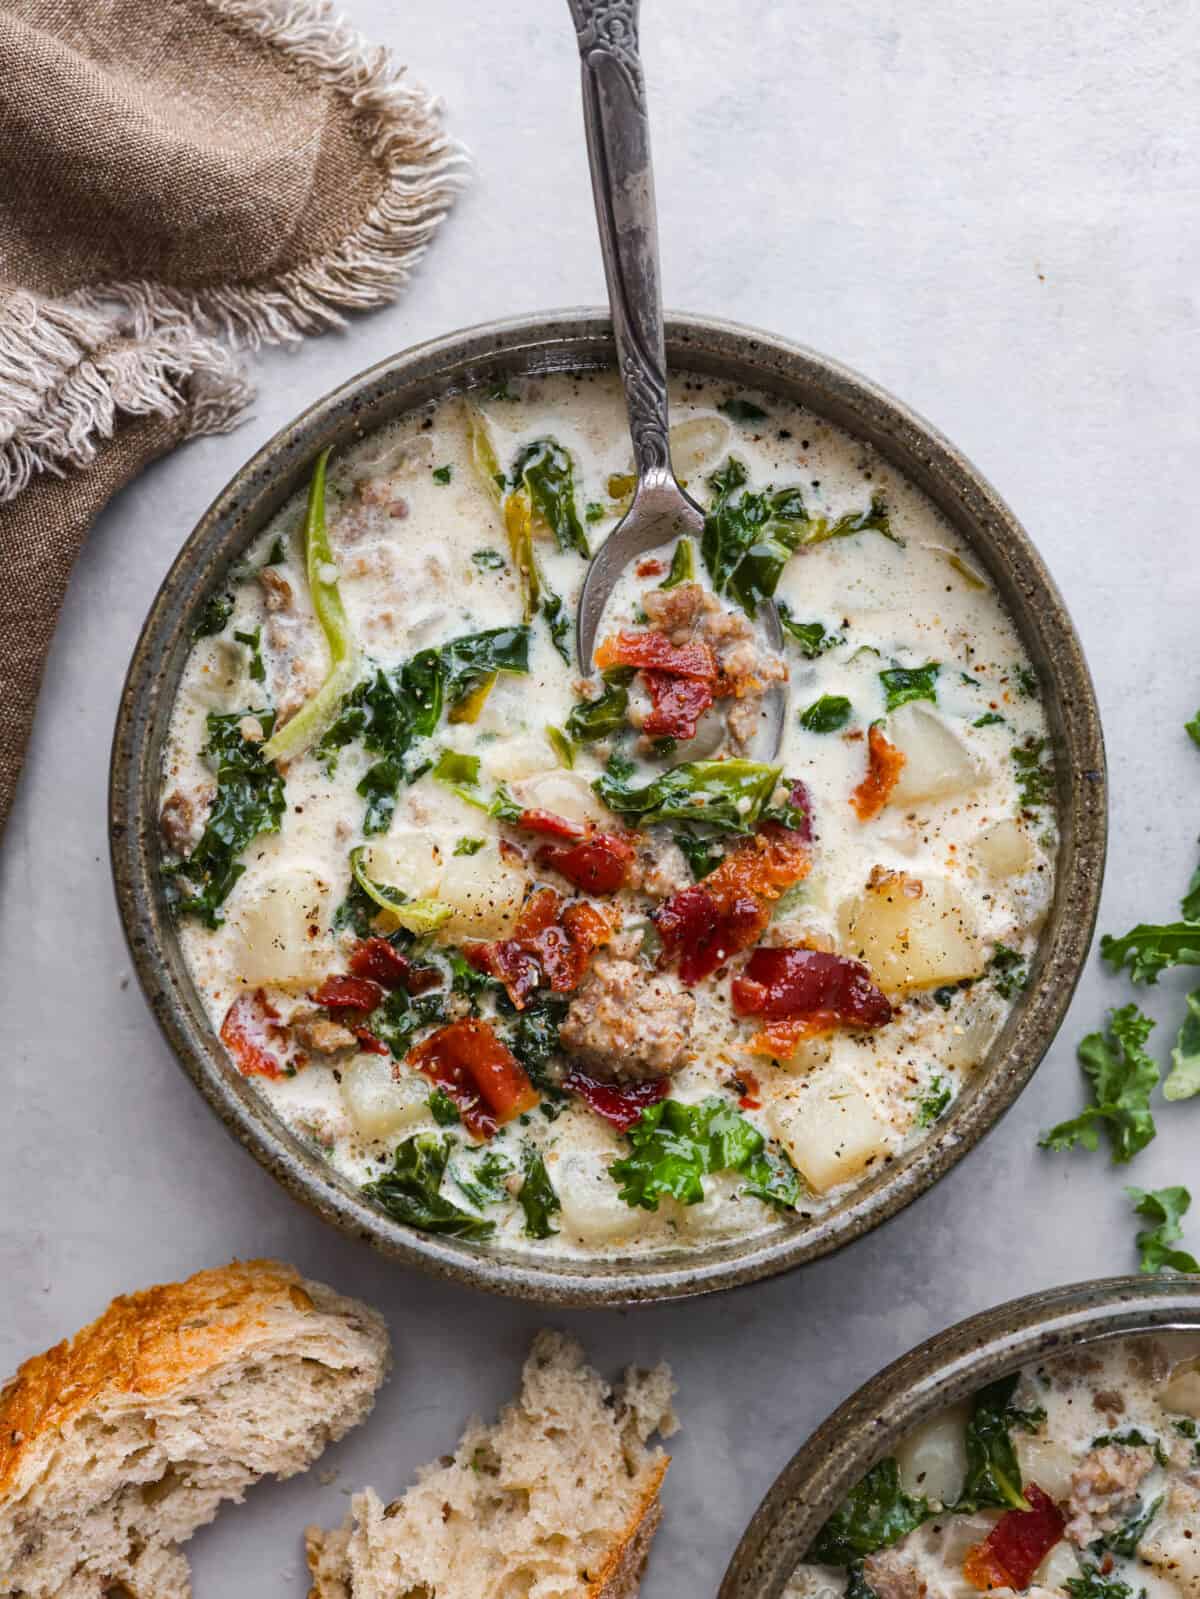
<point>1079,1478</point>
<point>578,963</point>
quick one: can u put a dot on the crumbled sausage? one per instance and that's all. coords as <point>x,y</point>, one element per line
<point>181,817</point>
<point>323,1036</point>
<point>176,819</point>
<point>627,1026</point>
<point>1109,1402</point>
<point>659,868</point>
<point>277,591</point>
<point>891,1576</point>
<point>747,670</point>
<point>1104,1491</point>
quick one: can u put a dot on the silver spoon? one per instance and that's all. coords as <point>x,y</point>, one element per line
<point>618,140</point>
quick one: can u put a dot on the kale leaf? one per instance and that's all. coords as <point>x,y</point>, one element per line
<point>546,470</point>
<point>993,1471</point>
<point>488,560</point>
<point>904,683</point>
<point>683,565</point>
<point>1150,948</point>
<point>1183,1080</point>
<point>401,1015</point>
<point>739,410</point>
<point>747,542</point>
<point>392,709</point>
<point>253,642</point>
<point>443,1109</point>
<point>813,637</point>
<point>1165,1207</point>
<point>1007,971</point>
<point>729,795</point>
<point>674,1146</point>
<point>214,615</point>
<point>1123,1077</point>
<point>534,1038</point>
<point>589,720</point>
<point>410,1192</point>
<point>537,1197</point>
<point>827,714</point>
<point>875,1514</point>
<point>1034,774</point>
<point>701,854</point>
<point>1094,1586</point>
<point>1126,1539</point>
<point>484,1182</point>
<point>249,801</point>
<point>934,1101</point>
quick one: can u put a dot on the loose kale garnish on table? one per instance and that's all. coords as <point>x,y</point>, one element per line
<point>1123,1077</point>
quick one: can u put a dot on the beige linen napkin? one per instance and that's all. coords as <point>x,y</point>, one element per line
<point>177,178</point>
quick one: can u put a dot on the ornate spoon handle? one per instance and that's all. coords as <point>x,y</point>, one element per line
<point>618,140</point>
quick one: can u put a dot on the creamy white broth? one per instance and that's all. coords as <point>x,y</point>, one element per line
<point>404,544</point>
<point>1079,1444</point>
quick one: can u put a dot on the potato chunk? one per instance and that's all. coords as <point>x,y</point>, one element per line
<point>1051,1465</point>
<point>1181,1393</point>
<point>911,933</point>
<point>281,929</point>
<point>937,763</point>
<point>566,794</point>
<point>592,1210</point>
<point>830,1128</point>
<point>1173,1550</point>
<point>410,861</point>
<point>1004,849</point>
<point>483,891</point>
<point>377,1103</point>
<point>933,1458</point>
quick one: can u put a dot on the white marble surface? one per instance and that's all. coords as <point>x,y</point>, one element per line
<point>992,209</point>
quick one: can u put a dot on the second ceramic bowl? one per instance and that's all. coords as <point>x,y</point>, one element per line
<point>938,1373</point>
<point>486,357</point>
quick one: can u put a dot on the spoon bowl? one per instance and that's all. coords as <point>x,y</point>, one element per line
<point>618,139</point>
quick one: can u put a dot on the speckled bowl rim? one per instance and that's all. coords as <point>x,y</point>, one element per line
<point>573,340</point>
<point>937,1373</point>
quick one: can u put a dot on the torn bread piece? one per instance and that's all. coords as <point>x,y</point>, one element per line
<point>559,1497</point>
<point>117,1444</point>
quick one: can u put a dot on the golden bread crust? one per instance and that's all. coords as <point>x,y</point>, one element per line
<point>622,1571</point>
<point>145,1343</point>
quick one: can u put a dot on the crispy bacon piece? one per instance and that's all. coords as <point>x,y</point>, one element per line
<point>727,911</point>
<point>597,865</point>
<point>551,943</point>
<point>596,862</point>
<point>703,934</point>
<point>382,963</point>
<point>679,703</point>
<point>650,567</point>
<point>801,992</point>
<point>348,993</point>
<point>654,652</point>
<point>370,1042</point>
<point>484,1078</point>
<point>884,765</point>
<point>1017,1544</point>
<point>619,1104</point>
<point>553,825</point>
<point>251,1035</point>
